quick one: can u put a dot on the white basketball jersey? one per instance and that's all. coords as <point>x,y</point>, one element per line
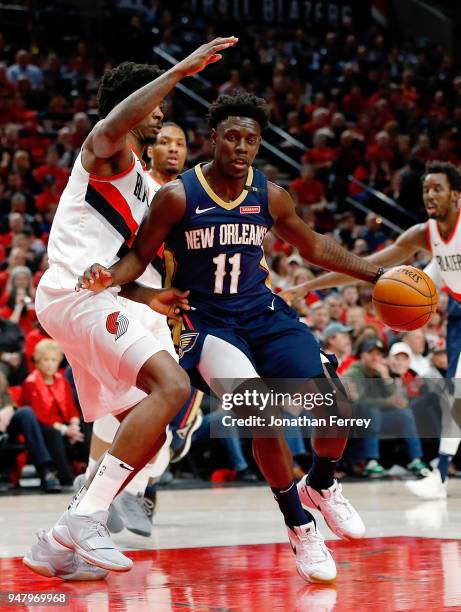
<point>96,217</point>
<point>150,276</point>
<point>447,255</point>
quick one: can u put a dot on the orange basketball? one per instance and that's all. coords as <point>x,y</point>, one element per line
<point>405,298</point>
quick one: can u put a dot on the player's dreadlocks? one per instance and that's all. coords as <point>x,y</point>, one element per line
<point>446,168</point>
<point>121,81</point>
<point>239,105</point>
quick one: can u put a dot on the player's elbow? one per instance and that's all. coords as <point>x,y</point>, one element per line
<point>106,140</point>
<point>315,249</point>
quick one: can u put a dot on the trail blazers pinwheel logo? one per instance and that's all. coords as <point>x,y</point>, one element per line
<point>117,324</point>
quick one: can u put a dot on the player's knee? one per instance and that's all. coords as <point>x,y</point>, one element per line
<point>176,389</point>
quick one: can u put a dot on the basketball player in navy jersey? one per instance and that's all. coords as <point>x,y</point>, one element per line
<point>441,236</point>
<point>213,221</point>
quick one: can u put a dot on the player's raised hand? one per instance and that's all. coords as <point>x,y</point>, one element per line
<point>204,55</point>
<point>95,278</point>
<point>170,302</point>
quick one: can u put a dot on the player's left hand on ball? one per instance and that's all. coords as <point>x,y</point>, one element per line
<point>170,302</point>
<point>95,278</point>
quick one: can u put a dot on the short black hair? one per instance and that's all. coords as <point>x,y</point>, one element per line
<point>171,124</point>
<point>121,81</point>
<point>174,124</point>
<point>239,105</point>
<point>446,168</point>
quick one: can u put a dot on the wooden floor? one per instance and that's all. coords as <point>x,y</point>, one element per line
<point>225,549</point>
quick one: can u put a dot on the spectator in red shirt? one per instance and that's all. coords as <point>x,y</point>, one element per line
<point>306,191</point>
<point>381,159</point>
<point>24,423</point>
<point>23,166</point>
<point>309,195</point>
<point>17,257</point>
<point>36,335</point>
<point>16,224</point>
<point>354,103</point>
<point>19,299</point>
<point>439,109</point>
<point>49,394</point>
<point>80,128</point>
<point>7,91</point>
<point>399,366</point>
<point>321,156</point>
<point>409,93</point>
<point>422,150</point>
<point>52,168</point>
<point>49,196</point>
<point>42,267</point>
<point>444,152</point>
<point>320,119</point>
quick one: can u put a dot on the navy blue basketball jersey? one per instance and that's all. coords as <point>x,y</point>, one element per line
<point>216,251</point>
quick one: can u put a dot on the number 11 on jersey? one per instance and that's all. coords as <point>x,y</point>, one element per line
<point>220,272</point>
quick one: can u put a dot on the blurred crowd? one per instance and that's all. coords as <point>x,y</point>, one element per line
<point>361,103</point>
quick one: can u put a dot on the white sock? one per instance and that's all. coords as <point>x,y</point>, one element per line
<point>111,474</point>
<point>139,482</point>
<point>89,469</point>
<point>54,544</point>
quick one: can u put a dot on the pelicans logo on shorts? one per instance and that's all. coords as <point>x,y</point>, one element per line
<point>117,324</point>
<point>187,342</point>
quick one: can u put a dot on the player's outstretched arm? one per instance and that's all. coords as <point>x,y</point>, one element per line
<point>167,209</point>
<point>169,302</point>
<point>408,243</point>
<point>108,136</point>
<point>325,252</point>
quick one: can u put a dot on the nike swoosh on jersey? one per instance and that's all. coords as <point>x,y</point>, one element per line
<point>272,307</point>
<point>199,211</point>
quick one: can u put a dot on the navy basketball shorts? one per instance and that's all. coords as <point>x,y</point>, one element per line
<point>271,336</point>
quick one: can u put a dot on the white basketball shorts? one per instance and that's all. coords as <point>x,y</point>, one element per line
<point>95,330</point>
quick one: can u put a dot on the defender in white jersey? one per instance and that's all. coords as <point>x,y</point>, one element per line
<point>441,236</point>
<point>110,351</point>
<point>133,508</point>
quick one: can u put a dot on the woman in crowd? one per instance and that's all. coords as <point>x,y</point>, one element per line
<point>49,394</point>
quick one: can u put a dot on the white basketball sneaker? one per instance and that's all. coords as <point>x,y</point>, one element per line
<point>88,537</point>
<point>313,559</point>
<point>45,559</point>
<point>339,514</point>
<point>430,487</point>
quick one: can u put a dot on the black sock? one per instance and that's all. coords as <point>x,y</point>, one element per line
<point>444,464</point>
<point>150,491</point>
<point>322,472</point>
<point>290,506</point>
<point>44,469</point>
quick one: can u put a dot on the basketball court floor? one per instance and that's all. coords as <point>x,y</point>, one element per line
<point>225,550</point>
